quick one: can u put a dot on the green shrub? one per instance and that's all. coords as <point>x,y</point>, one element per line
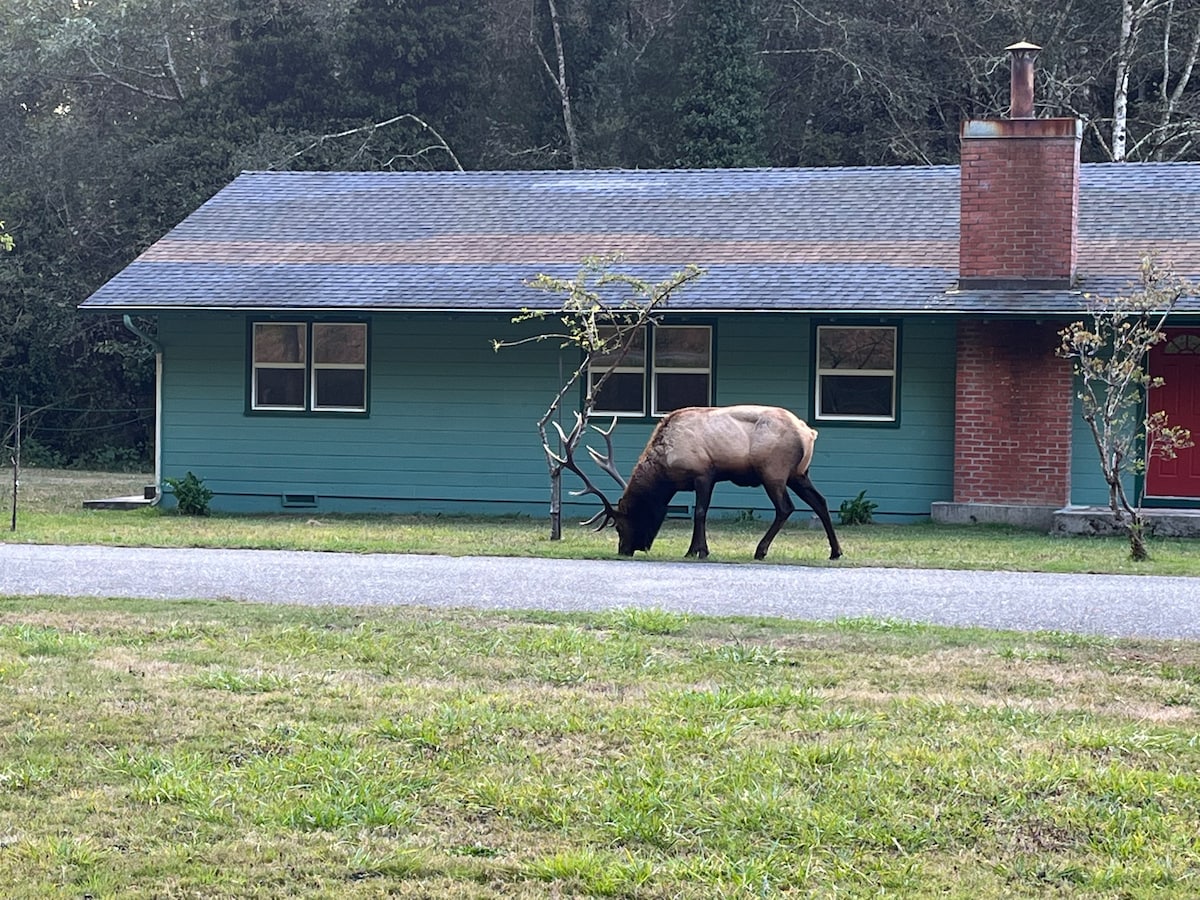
<point>191,496</point>
<point>857,511</point>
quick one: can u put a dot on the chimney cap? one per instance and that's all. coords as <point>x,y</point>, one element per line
<point>1022,45</point>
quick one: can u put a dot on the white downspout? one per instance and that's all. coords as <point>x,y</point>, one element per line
<point>158,373</point>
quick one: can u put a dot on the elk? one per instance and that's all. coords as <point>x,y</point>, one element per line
<point>693,449</point>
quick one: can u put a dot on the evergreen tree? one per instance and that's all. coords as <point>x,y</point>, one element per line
<point>282,71</point>
<point>721,111</point>
<point>423,58</point>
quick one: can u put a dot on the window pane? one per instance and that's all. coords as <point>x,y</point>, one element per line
<point>856,348</point>
<point>340,389</point>
<point>856,395</point>
<point>623,392</point>
<point>634,359</point>
<point>279,342</point>
<point>681,348</point>
<point>345,344</point>
<point>674,391</point>
<point>283,388</point>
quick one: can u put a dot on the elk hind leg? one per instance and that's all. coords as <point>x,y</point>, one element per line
<point>805,490</point>
<point>784,507</point>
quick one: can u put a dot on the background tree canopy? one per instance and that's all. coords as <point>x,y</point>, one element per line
<point>118,119</point>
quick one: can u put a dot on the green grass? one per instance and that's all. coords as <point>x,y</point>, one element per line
<point>51,512</point>
<point>237,750</point>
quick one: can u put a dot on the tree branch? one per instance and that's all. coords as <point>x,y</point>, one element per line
<point>440,142</point>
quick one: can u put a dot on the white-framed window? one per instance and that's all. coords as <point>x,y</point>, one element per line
<point>667,367</point>
<point>856,373</point>
<point>308,367</point>
<point>682,367</point>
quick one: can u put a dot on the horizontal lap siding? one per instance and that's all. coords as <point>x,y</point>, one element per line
<point>436,430</point>
<point>767,359</point>
<point>452,422</point>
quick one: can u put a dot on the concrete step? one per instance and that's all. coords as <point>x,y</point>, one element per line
<point>134,502</point>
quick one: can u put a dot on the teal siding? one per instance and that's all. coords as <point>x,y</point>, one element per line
<point>452,423</point>
<point>1088,487</point>
<point>904,469</point>
<point>435,431</point>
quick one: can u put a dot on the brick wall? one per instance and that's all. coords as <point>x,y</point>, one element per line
<point>1013,415</point>
<point>1019,194</point>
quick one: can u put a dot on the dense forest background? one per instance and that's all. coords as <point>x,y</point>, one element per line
<point>119,117</point>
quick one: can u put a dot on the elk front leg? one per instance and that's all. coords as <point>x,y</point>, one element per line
<point>699,546</point>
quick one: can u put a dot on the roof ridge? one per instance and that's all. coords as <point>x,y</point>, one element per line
<point>613,170</point>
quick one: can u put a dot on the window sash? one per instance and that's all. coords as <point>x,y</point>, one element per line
<point>269,374</point>
<point>355,366</point>
<point>618,383</point>
<point>666,378</point>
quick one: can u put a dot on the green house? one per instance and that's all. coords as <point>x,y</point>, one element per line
<point>324,340</point>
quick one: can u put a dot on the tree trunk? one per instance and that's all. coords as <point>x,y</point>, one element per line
<point>1137,539</point>
<point>1125,44</point>
<point>559,77</point>
<point>1169,99</point>
<point>556,503</point>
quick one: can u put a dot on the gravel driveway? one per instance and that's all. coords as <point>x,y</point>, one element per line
<point>1113,605</point>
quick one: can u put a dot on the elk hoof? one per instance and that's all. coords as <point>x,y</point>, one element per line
<point>836,554</point>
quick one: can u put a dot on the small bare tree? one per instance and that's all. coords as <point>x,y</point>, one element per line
<point>602,314</point>
<point>1109,355</point>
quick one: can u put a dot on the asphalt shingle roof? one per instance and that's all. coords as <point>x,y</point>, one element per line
<point>870,239</point>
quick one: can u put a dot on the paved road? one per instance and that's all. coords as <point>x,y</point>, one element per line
<point>1111,605</point>
<point>1086,604</point>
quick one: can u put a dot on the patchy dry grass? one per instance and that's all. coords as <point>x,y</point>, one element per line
<point>61,491</point>
<point>221,750</point>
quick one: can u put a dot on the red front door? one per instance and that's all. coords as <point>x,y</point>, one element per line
<point>1177,362</point>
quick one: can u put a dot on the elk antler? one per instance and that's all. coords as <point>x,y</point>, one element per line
<point>607,515</point>
<point>604,461</point>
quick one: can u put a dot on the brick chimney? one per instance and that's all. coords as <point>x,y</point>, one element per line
<point>1019,193</point>
<point>1018,232</point>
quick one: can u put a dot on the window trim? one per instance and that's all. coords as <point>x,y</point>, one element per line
<point>890,421</point>
<point>650,370</point>
<point>310,369</point>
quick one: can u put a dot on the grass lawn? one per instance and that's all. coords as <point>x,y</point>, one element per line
<point>50,511</point>
<point>233,750</point>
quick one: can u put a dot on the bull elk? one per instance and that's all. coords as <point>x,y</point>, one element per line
<point>693,449</point>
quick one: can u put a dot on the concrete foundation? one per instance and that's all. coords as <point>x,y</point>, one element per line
<point>1068,520</point>
<point>1038,517</point>
<point>1088,520</point>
